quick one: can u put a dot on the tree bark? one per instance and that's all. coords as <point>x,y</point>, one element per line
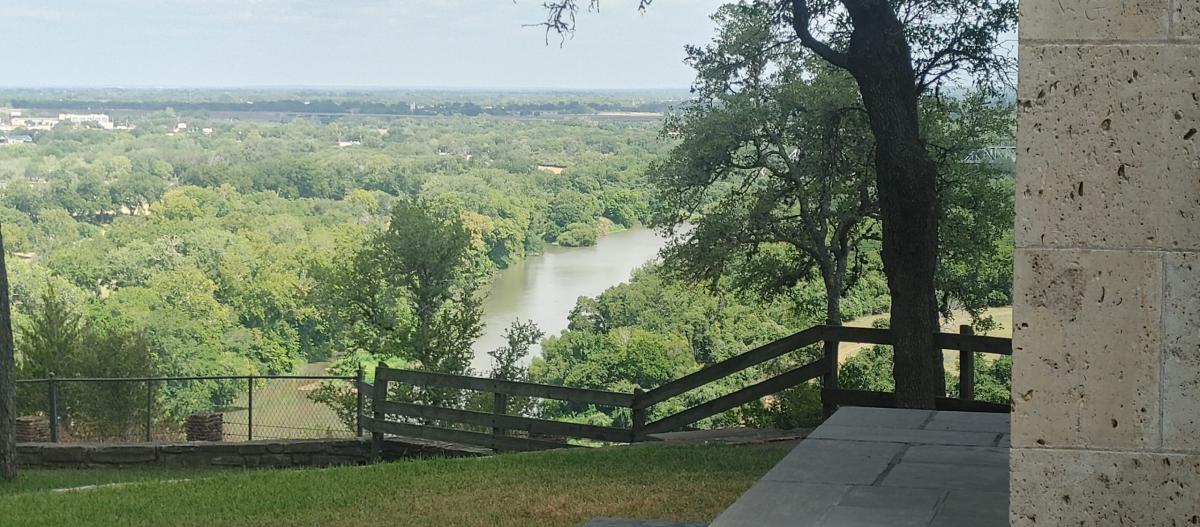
<point>8,380</point>
<point>879,58</point>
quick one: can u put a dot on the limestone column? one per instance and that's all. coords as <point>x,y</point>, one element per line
<point>1106,375</point>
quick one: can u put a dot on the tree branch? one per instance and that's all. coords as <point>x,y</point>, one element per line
<point>801,22</point>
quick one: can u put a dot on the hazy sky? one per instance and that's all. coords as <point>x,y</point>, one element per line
<point>380,43</point>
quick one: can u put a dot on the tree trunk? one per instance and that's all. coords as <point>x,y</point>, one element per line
<point>880,60</point>
<point>8,380</point>
<point>833,279</point>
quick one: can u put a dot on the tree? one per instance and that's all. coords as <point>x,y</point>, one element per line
<point>775,157</point>
<point>427,254</point>
<point>506,360</point>
<point>8,379</point>
<point>896,50</point>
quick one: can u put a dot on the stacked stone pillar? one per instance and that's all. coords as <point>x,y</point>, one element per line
<point>1106,376</point>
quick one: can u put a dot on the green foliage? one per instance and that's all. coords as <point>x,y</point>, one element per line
<point>520,337</point>
<point>56,339</point>
<point>578,235</point>
<point>244,251</point>
<point>870,369</point>
<point>654,329</point>
<point>772,176</point>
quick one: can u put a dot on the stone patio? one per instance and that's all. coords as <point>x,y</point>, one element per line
<point>868,467</point>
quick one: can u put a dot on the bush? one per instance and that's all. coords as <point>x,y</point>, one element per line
<point>579,235</point>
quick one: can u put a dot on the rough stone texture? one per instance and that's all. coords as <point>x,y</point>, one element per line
<point>1094,19</point>
<point>1077,487</point>
<point>246,454</point>
<point>33,428</point>
<point>1106,372</point>
<point>1093,376</point>
<point>1105,156</point>
<point>1181,353</point>
<point>1186,21</point>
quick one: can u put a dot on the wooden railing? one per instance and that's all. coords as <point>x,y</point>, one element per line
<point>420,421</point>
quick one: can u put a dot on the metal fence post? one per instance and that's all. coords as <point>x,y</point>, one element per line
<point>250,408</point>
<point>966,367</point>
<point>149,408</point>
<point>359,377</point>
<point>53,409</point>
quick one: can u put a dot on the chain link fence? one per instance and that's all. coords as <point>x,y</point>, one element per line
<point>156,409</point>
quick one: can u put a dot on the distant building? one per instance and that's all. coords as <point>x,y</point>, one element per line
<point>553,169</point>
<point>15,139</point>
<point>206,131</point>
<point>99,119</point>
<point>34,123</point>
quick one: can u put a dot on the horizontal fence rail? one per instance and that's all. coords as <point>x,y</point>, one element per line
<point>435,422</point>
<point>520,389</point>
<point>250,414</point>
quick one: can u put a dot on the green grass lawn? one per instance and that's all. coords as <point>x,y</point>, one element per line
<point>42,480</point>
<point>556,488</point>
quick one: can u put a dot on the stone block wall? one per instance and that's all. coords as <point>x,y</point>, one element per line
<point>1106,375</point>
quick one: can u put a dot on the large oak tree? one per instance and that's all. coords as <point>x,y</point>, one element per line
<point>896,50</point>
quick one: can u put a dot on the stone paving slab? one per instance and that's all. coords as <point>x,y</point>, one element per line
<point>901,435</point>
<point>781,503</point>
<point>969,422</point>
<point>947,476</point>
<point>879,417</point>
<point>629,522</point>
<point>836,462</point>
<point>957,455</point>
<point>868,467</point>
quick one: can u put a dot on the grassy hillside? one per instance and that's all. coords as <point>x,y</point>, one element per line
<point>557,488</point>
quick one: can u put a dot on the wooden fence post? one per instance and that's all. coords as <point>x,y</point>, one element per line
<point>639,415</point>
<point>829,381</point>
<point>499,407</point>
<point>377,396</point>
<point>966,367</point>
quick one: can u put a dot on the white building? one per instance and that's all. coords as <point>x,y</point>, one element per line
<point>99,119</point>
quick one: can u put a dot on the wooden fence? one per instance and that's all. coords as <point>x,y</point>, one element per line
<point>422,421</point>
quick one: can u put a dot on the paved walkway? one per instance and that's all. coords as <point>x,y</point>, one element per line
<point>867,467</point>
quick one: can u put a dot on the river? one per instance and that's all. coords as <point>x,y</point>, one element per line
<point>544,288</point>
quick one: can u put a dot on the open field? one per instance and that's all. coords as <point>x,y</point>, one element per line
<point>1002,315</point>
<point>555,488</point>
<point>282,410</point>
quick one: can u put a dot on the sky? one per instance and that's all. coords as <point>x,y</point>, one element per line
<point>345,43</point>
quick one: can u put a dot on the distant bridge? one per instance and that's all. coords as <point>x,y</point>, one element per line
<point>992,154</point>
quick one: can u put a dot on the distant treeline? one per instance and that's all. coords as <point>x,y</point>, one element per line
<point>351,107</point>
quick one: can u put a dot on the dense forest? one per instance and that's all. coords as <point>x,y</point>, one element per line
<point>206,253</point>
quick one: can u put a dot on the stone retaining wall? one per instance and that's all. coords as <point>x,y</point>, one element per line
<point>251,454</point>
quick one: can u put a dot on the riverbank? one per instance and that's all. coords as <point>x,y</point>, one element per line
<point>544,288</point>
